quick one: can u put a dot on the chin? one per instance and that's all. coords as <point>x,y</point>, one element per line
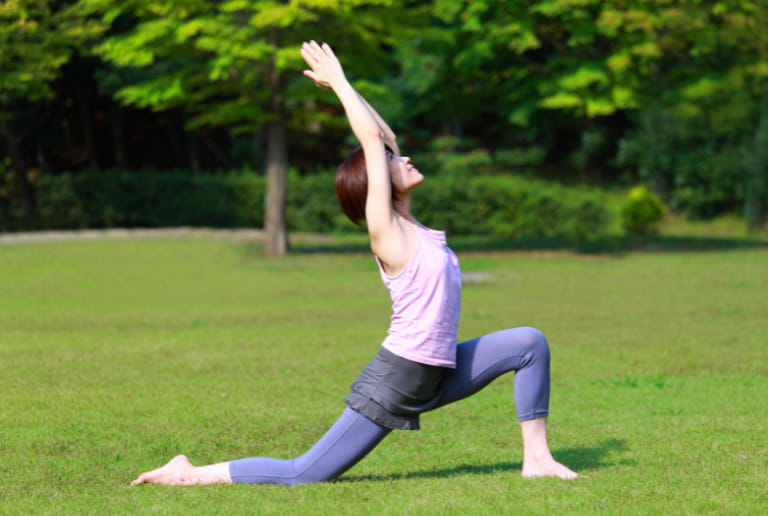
<point>415,184</point>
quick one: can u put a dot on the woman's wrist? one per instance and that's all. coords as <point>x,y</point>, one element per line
<point>339,83</point>
<point>343,88</point>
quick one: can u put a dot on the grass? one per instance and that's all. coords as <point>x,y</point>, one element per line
<point>116,355</point>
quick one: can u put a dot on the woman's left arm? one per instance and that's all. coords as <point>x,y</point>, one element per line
<point>326,71</point>
<point>390,139</point>
<point>391,241</point>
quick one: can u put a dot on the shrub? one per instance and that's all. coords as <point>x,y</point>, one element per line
<point>511,207</point>
<point>147,199</point>
<point>312,205</point>
<point>498,206</point>
<point>641,212</point>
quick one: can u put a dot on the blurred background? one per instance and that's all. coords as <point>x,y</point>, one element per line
<point>570,119</point>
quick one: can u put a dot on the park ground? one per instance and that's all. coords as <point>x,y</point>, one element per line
<point>117,352</point>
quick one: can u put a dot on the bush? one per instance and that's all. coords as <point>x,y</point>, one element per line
<point>312,205</point>
<point>146,199</point>
<point>498,206</point>
<point>641,212</point>
<point>696,159</point>
<point>511,207</point>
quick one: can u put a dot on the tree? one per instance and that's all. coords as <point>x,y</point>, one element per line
<point>673,88</point>
<point>527,71</point>
<point>700,133</point>
<point>230,63</point>
<point>36,38</point>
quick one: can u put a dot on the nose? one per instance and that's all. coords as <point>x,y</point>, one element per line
<point>406,159</point>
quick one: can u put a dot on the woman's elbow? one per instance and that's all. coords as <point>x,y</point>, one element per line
<point>371,136</point>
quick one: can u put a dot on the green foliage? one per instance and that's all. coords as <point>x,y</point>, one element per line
<point>697,162</point>
<point>668,91</point>
<point>641,212</point>
<point>312,205</point>
<point>228,63</point>
<point>511,207</point>
<point>756,203</point>
<point>693,137</point>
<point>576,64</point>
<point>36,38</point>
<point>144,199</point>
<point>490,58</point>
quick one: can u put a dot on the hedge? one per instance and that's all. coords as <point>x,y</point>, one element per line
<point>512,207</point>
<point>486,205</point>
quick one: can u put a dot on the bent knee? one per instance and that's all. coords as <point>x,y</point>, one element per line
<point>536,341</point>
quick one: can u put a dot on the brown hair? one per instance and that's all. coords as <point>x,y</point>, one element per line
<point>352,186</point>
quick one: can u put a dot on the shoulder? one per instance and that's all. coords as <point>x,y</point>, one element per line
<point>395,248</point>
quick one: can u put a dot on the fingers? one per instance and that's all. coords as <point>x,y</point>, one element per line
<point>308,56</point>
<point>316,52</point>
<point>328,50</point>
<point>309,53</point>
<point>323,63</point>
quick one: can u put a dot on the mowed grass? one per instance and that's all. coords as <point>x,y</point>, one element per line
<point>117,355</point>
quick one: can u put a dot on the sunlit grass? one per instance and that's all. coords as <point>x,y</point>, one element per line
<point>116,355</point>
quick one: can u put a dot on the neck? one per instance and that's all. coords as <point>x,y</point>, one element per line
<point>403,207</point>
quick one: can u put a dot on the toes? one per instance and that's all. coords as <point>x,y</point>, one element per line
<point>140,480</point>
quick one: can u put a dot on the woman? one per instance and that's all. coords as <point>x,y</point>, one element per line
<point>419,366</point>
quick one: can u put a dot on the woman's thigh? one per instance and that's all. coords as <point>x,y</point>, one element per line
<point>481,360</point>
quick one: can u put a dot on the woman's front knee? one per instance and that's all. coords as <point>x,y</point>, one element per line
<point>536,341</point>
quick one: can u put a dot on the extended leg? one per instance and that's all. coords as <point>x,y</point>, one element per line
<point>348,440</point>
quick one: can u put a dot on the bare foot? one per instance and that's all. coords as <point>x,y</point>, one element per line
<point>547,468</point>
<point>178,472</point>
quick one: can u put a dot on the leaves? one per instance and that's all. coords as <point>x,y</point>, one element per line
<point>36,39</point>
<point>216,59</point>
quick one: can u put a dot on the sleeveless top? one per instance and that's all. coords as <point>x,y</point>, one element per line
<point>426,302</point>
<point>405,378</point>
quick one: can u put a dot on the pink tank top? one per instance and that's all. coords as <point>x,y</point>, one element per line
<point>426,301</point>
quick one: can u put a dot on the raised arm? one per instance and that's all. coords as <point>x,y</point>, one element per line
<point>389,136</point>
<point>389,240</point>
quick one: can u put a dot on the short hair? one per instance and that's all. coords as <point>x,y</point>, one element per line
<point>352,186</point>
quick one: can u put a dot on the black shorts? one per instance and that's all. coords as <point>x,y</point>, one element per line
<point>392,391</point>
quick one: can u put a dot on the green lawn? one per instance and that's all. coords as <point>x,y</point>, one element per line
<point>116,355</point>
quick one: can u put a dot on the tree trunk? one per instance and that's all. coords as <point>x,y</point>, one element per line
<point>755,209</point>
<point>118,136</point>
<point>214,149</point>
<point>275,224</point>
<point>22,196</point>
<point>88,134</point>
<point>190,137</point>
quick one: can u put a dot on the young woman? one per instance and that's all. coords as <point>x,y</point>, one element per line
<point>419,366</point>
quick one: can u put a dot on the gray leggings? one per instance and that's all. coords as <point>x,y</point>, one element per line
<point>352,436</point>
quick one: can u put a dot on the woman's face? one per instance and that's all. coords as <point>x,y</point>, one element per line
<point>405,177</point>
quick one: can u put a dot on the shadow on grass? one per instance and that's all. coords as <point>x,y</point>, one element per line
<point>578,459</point>
<point>609,246</point>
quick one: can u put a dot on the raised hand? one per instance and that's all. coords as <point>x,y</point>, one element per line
<point>325,67</point>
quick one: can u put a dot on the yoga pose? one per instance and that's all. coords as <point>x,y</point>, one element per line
<point>419,366</point>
